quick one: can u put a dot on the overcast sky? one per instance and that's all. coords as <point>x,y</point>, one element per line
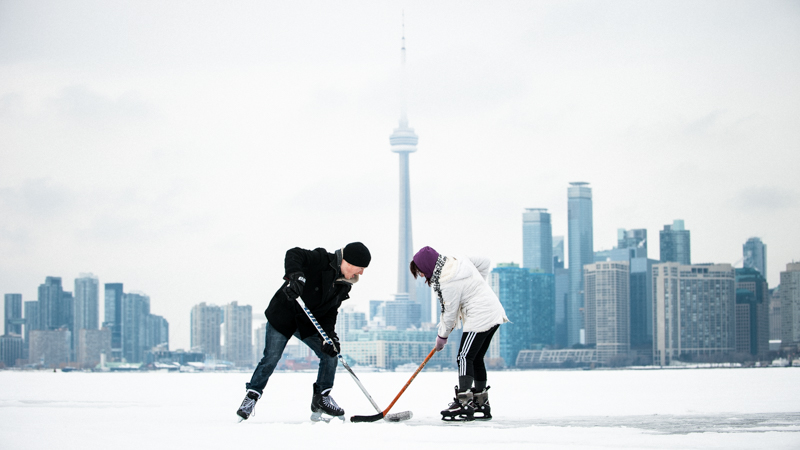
<point>182,147</point>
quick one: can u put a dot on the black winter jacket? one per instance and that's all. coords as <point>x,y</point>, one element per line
<point>324,292</point>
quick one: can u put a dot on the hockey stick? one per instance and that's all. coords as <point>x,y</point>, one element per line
<point>405,415</point>
<point>383,414</point>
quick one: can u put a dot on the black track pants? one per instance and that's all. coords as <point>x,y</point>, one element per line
<point>471,352</point>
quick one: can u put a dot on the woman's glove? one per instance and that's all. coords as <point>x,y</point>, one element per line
<point>440,341</point>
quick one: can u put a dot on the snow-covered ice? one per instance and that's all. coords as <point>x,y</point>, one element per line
<point>696,408</point>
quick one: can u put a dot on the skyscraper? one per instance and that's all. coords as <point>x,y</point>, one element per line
<point>694,311</point>
<point>537,240</point>
<point>205,332</point>
<point>86,306</point>
<point>675,243</point>
<point>635,239</point>
<point>12,308</point>
<point>135,309</point>
<point>50,300</point>
<point>607,308</point>
<point>752,312</point>
<point>113,317</point>
<point>790,305</point>
<point>238,324</point>
<point>755,255</point>
<point>581,252</point>
<point>403,141</point>
<point>641,294</point>
<point>558,252</point>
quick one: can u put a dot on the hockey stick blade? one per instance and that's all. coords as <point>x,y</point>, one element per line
<point>372,418</point>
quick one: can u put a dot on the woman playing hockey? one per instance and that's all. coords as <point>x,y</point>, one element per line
<point>460,284</point>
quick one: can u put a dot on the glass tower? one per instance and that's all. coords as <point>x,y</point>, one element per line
<point>581,252</point>
<point>675,243</point>
<point>755,255</point>
<point>537,240</point>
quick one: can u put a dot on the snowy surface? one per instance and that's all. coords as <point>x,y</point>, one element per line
<point>699,408</point>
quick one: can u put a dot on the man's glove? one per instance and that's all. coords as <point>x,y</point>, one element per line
<point>297,282</point>
<point>331,350</point>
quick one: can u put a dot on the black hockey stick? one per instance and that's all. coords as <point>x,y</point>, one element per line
<point>383,414</point>
<point>405,415</point>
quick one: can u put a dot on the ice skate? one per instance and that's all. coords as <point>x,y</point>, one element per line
<point>248,405</point>
<point>461,409</point>
<point>324,407</point>
<point>480,403</point>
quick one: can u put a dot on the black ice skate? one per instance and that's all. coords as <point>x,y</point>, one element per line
<point>480,403</point>
<point>461,409</point>
<point>248,405</point>
<point>324,407</point>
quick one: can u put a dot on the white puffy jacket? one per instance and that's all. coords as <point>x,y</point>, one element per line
<point>467,296</point>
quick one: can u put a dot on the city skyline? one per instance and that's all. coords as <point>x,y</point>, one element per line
<point>153,152</point>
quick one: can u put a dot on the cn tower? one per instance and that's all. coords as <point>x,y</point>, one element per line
<point>403,142</point>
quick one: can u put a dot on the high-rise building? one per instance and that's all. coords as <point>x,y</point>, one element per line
<point>113,318</point>
<point>537,240</point>
<point>581,252</point>
<point>50,299</point>
<point>752,312</point>
<point>349,320</point>
<point>561,301</point>
<point>135,309</point>
<point>205,333</point>
<point>694,311</point>
<point>775,314</point>
<point>12,307</point>
<point>403,141</point>
<point>11,349</point>
<point>754,253</point>
<point>91,345</point>
<point>238,325</point>
<point>641,305</point>
<point>50,348</point>
<point>529,301</point>
<point>675,243</point>
<point>402,314</point>
<point>790,305</point>
<point>86,306</point>
<point>259,342</point>
<point>558,252</point>
<point>156,333</point>
<point>32,322</point>
<point>606,287</point>
<point>636,239</point>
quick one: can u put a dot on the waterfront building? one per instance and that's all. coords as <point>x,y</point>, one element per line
<point>113,317</point>
<point>205,331</point>
<point>694,311</point>
<point>11,349</point>
<point>238,325</point>
<point>752,312</point>
<point>92,344</point>
<point>349,320</point>
<point>581,252</point>
<point>537,240</point>
<point>561,300</point>
<point>135,309</point>
<point>86,306</point>
<point>558,252</point>
<point>607,297</point>
<point>49,348</point>
<point>775,314</point>
<point>402,314</point>
<point>675,243</point>
<point>387,349</point>
<point>790,306</point>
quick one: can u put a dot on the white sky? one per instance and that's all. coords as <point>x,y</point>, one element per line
<point>181,147</point>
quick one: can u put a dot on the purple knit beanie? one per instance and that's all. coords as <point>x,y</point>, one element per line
<point>426,259</point>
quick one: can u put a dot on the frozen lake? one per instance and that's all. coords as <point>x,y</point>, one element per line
<point>695,408</point>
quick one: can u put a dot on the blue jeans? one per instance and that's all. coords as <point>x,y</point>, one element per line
<point>274,345</point>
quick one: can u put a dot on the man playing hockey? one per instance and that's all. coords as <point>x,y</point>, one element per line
<point>323,281</point>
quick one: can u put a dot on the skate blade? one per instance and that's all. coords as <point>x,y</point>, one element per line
<point>399,417</point>
<point>319,416</point>
<point>457,418</point>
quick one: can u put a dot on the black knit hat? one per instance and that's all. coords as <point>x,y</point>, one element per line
<point>357,254</point>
